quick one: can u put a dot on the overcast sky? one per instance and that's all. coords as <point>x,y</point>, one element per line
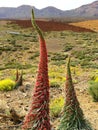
<point>60,4</point>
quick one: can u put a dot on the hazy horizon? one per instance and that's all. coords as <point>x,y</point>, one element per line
<point>62,4</point>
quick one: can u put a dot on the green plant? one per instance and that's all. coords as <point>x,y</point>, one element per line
<point>79,54</point>
<point>56,106</point>
<point>56,78</point>
<point>93,90</point>
<point>0,52</point>
<point>54,83</point>
<point>67,47</point>
<point>17,65</point>
<point>13,42</point>
<point>58,63</point>
<point>72,118</point>
<point>59,57</point>
<point>36,54</point>
<point>7,85</point>
<point>35,39</point>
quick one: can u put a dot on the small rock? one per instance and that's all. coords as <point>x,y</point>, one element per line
<point>27,87</point>
<point>97,111</point>
<point>22,89</point>
<point>8,96</point>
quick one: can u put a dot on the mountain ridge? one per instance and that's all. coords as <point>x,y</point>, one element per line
<point>89,11</point>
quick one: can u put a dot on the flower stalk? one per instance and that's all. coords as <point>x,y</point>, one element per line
<point>73,117</point>
<point>38,115</point>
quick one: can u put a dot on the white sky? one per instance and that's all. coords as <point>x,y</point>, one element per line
<point>60,4</point>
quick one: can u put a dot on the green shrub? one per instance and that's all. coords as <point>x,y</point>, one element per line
<point>56,106</point>
<point>35,39</point>
<point>59,56</point>
<point>84,63</point>
<point>5,48</point>
<point>54,83</point>
<point>13,42</point>
<point>0,52</point>
<point>67,47</point>
<point>93,90</point>
<point>58,62</point>
<point>75,63</point>
<point>13,65</point>
<point>7,85</point>
<point>56,78</point>
<point>79,54</point>
<point>36,54</point>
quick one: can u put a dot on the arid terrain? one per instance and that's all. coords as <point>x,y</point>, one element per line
<point>19,49</point>
<point>89,24</point>
<point>52,26</point>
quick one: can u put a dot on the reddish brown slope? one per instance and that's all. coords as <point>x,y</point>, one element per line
<point>51,26</point>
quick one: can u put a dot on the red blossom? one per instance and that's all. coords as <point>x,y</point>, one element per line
<point>38,116</point>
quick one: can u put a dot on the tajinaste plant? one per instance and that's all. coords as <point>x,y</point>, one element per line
<point>72,118</point>
<point>38,115</point>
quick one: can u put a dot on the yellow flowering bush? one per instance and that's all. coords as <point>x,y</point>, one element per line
<point>96,79</point>
<point>56,76</point>
<point>7,85</point>
<point>56,106</point>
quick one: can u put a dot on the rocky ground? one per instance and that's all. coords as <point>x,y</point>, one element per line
<point>20,100</point>
<point>16,103</point>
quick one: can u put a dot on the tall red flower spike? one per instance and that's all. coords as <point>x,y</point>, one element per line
<point>73,117</point>
<point>38,115</point>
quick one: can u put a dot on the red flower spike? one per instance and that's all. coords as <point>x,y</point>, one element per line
<point>38,115</point>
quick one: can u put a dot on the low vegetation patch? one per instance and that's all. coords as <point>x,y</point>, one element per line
<point>56,106</point>
<point>54,83</point>
<point>59,57</point>
<point>57,79</point>
<point>67,47</point>
<point>93,90</point>
<point>7,85</point>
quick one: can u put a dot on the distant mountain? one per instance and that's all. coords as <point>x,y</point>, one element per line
<point>23,11</point>
<point>89,11</point>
